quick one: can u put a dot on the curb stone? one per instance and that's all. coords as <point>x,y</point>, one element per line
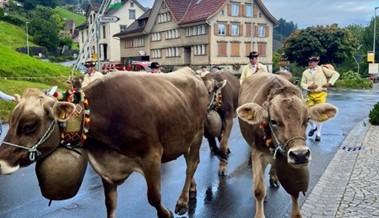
<point>326,197</point>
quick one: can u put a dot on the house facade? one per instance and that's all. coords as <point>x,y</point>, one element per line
<point>109,45</point>
<point>69,29</point>
<point>200,32</point>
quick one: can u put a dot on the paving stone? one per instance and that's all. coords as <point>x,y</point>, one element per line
<point>349,186</point>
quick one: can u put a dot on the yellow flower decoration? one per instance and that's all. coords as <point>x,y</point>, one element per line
<point>323,117</point>
<point>250,115</point>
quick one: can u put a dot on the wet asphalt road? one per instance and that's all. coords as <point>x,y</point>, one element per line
<point>229,197</point>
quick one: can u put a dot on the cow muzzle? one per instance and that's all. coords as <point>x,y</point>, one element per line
<point>6,169</point>
<point>299,156</point>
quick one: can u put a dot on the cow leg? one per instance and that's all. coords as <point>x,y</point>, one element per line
<point>274,181</point>
<point>224,146</point>
<point>152,173</point>
<point>295,211</point>
<point>259,164</point>
<point>192,160</point>
<point>193,189</point>
<point>110,191</point>
<point>212,143</point>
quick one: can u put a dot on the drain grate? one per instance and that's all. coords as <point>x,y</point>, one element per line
<point>354,148</point>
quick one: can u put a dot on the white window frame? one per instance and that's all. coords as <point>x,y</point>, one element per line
<point>261,31</point>
<point>132,14</point>
<point>221,29</point>
<point>156,53</point>
<point>249,10</point>
<point>172,52</point>
<point>156,37</point>
<point>235,9</point>
<point>235,29</point>
<point>200,50</point>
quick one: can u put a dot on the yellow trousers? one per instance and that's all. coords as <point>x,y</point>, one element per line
<point>316,98</point>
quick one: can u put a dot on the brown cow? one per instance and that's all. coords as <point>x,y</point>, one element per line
<point>226,84</point>
<point>273,119</point>
<point>138,121</point>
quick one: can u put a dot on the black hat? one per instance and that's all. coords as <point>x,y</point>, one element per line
<point>283,58</point>
<point>253,54</point>
<point>154,65</point>
<point>314,58</point>
<point>90,64</point>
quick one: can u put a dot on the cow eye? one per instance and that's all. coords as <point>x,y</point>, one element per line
<point>273,122</point>
<point>29,128</point>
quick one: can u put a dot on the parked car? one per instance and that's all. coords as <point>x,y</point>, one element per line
<point>139,66</point>
<point>112,64</point>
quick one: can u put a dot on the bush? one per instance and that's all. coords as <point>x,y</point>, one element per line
<point>353,80</point>
<point>1,13</point>
<point>14,20</point>
<point>374,115</point>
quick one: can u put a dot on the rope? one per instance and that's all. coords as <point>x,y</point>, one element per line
<point>279,146</point>
<point>33,150</point>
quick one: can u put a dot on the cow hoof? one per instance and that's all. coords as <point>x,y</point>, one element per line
<point>274,183</point>
<point>169,215</point>
<point>181,208</point>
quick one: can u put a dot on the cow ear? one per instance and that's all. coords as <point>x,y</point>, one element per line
<point>17,98</point>
<point>63,110</point>
<point>322,112</point>
<point>252,113</point>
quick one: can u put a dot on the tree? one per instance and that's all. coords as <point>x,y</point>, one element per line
<point>1,13</point>
<point>331,43</point>
<point>368,36</point>
<point>281,32</point>
<point>45,33</point>
<point>29,5</point>
<point>44,27</point>
<point>284,28</point>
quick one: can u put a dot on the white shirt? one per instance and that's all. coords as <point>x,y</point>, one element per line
<point>313,71</point>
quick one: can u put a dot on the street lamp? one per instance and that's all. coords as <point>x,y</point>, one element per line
<point>373,43</point>
<point>27,38</point>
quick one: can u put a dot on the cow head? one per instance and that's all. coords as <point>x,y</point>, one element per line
<point>212,84</point>
<point>33,131</point>
<point>214,88</point>
<point>286,116</point>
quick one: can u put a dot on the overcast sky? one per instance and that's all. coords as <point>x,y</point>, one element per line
<point>306,13</point>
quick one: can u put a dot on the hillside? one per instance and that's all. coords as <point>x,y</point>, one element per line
<point>17,65</point>
<point>78,19</point>
<point>13,36</point>
<point>19,71</point>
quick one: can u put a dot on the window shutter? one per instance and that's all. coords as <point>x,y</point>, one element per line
<point>228,29</point>
<point>267,29</point>
<point>247,48</point>
<point>255,30</point>
<point>240,11</point>
<point>255,11</point>
<point>215,29</point>
<point>240,30</point>
<point>248,29</point>
<point>229,8</point>
<point>243,10</point>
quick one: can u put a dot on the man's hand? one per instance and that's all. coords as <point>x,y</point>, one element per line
<point>312,86</point>
<point>327,85</point>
